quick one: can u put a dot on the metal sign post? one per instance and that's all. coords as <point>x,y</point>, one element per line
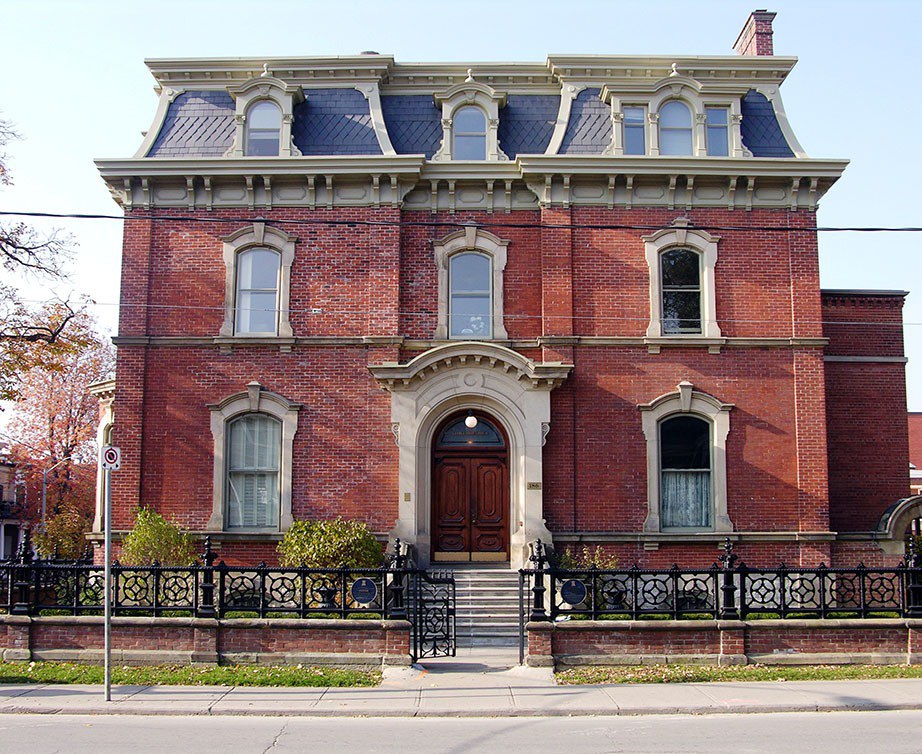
<point>111,461</point>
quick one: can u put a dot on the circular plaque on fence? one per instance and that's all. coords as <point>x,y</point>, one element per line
<point>573,591</point>
<point>364,590</point>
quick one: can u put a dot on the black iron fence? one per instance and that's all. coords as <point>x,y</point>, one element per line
<point>729,589</point>
<point>32,587</point>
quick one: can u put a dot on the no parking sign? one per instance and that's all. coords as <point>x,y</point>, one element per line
<point>111,458</point>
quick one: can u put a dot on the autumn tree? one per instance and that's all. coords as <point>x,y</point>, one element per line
<point>54,423</point>
<point>28,337</point>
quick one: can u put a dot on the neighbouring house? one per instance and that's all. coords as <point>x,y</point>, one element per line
<point>479,305</point>
<point>915,452</point>
<point>12,505</point>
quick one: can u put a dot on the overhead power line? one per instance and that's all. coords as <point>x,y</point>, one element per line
<point>459,223</point>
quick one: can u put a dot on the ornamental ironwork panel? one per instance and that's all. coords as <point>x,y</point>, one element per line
<point>432,614</point>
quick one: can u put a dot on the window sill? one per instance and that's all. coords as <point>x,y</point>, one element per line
<point>227,342</point>
<point>683,340</point>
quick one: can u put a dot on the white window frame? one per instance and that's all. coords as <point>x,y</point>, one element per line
<point>258,235</point>
<point>686,400</point>
<point>466,94</point>
<point>470,239</point>
<point>228,470</point>
<point>265,87</point>
<point>452,294</point>
<point>255,400</point>
<point>682,236</point>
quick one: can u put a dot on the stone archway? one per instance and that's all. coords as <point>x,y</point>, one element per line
<point>471,375</point>
<point>895,523</point>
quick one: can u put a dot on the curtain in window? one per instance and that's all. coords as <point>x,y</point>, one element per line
<point>686,498</point>
<point>254,452</point>
<point>685,477</point>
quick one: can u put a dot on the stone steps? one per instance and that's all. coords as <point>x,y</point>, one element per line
<point>487,606</point>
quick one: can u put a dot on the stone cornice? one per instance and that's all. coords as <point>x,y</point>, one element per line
<point>534,77</point>
<point>631,70</point>
<point>551,179</point>
<point>586,165</point>
<point>218,73</point>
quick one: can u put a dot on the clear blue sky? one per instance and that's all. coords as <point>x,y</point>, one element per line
<point>75,85</point>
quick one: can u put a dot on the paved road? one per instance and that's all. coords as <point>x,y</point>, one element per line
<point>839,732</point>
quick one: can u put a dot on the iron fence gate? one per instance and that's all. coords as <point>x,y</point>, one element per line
<point>432,614</point>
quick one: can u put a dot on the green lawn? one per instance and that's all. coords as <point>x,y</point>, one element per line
<point>187,675</point>
<point>704,673</point>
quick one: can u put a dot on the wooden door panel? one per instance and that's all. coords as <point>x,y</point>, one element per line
<point>451,511</point>
<point>490,505</point>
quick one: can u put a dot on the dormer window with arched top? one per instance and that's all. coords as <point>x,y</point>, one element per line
<point>675,129</point>
<point>263,116</point>
<point>263,129</point>
<point>470,122</point>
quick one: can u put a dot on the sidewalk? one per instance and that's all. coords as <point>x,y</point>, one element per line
<point>469,686</point>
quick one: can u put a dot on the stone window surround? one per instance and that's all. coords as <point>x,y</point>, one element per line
<point>470,93</point>
<point>686,400</point>
<point>265,87</point>
<point>254,400</point>
<point>687,91</point>
<point>258,235</point>
<point>470,238</point>
<point>680,235</point>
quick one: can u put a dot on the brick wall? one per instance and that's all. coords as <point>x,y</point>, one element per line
<point>170,640</point>
<point>865,407</point>
<point>360,280</point>
<point>790,642</point>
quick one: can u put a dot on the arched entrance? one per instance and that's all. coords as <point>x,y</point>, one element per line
<point>470,489</point>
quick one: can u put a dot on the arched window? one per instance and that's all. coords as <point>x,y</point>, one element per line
<point>257,292</point>
<point>253,460</point>
<point>470,306</point>
<point>680,271</point>
<point>675,129</point>
<point>263,129</point>
<point>685,468</point>
<point>469,134</point>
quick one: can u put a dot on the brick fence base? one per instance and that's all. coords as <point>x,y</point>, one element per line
<point>771,642</point>
<point>143,641</point>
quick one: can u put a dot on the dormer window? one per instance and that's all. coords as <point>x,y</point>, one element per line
<point>263,115</point>
<point>263,129</point>
<point>470,122</point>
<point>675,129</point>
<point>469,133</point>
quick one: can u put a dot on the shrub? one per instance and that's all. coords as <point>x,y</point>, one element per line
<point>330,544</point>
<point>584,557</point>
<point>64,534</point>
<point>154,539</point>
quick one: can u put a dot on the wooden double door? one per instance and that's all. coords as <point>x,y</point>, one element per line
<point>470,491</point>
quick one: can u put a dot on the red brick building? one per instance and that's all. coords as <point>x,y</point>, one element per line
<point>576,300</point>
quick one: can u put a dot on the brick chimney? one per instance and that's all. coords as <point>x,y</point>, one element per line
<point>756,36</point>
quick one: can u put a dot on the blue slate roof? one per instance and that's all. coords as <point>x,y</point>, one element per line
<point>526,123</point>
<point>759,128</point>
<point>334,122</point>
<point>413,122</point>
<point>198,124</point>
<point>589,129</point>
